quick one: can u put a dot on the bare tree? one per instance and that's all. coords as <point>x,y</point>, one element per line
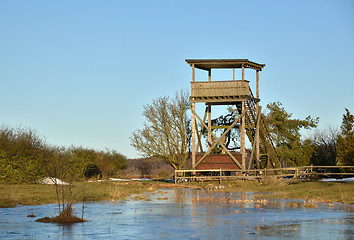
<point>166,133</point>
<point>325,147</point>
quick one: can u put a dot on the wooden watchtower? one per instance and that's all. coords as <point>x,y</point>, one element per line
<point>235,93</point>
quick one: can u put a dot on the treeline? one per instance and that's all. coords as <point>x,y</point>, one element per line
<point>153,168</point>
<point>26,158</point>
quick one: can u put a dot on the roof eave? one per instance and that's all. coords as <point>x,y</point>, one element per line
<point>208,64</point>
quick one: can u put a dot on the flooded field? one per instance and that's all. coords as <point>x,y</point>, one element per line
<point>187,214</point>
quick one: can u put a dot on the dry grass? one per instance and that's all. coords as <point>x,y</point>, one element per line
<point>294,204</point>
<point>66,216</point>
<point>33,194</point>
<point>115,192</point>
<point>221,200</point>
<point>325,192</point>
<point>309,205</point>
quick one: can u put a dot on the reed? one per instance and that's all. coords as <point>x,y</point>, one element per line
<point>115,192</point>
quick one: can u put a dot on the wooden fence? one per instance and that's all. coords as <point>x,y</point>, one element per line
<point>294,172</point>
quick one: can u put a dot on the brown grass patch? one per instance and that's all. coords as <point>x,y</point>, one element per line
<point>293,204</point>
<point>66,216</point>
<point>310,205</point>
<point>162,198</point>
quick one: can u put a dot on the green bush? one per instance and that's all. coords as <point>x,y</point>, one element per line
<point>25,158</point>
<point>21,155</point>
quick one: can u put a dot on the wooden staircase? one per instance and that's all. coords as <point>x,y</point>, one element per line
<point>268,155</point>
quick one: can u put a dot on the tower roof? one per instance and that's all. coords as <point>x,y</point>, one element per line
<point>208,64</point>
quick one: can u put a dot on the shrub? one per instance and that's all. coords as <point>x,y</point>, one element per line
<point>25,158</point>
<point>21,154</point>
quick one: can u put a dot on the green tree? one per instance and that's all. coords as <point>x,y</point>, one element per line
<point>345,149</point>
<point>285,133</point>
<point>83,162</point>
<point>166,133</point>
<point>111,162</point>
<point>88,163</point>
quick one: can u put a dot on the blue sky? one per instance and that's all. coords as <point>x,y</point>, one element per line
<point>79,72</point>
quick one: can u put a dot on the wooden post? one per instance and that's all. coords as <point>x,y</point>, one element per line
<point>258,155</point>
<point>243,143</point>
<point>199,141</point>
<point>243,73</point>
<point>209,126</point>
<point>243,129</point>
<point>193,135</point>
<point>209,75</point>
<point>220,176</point>
<point>233,74</point>
<point>193,123</point>
<point>193,73</point>
<point>257,84</point>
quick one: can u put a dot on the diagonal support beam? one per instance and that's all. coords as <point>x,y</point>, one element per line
<point>254,141</point>
<point>199,143</point>
<point>218,140</point>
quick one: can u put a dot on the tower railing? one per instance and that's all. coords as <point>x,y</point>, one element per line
<point>219,90</point>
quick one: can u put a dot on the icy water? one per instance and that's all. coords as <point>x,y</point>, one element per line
<point>186,214</point>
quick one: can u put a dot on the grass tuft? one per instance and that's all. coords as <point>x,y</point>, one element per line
<point>294,204</point>
<point>66,216</point>
<point>7,202</point>
<point>309,205</point>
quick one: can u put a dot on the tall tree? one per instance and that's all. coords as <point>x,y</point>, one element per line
<point>285,133</point>
<point>166,133</point>
<point>345,149</point>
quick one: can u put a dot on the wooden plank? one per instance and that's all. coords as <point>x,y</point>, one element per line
<point>220,89</point>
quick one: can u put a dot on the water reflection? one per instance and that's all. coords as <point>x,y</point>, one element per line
<point>187,214</point>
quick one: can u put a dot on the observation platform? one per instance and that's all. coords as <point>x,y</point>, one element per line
<point>222,92</point>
